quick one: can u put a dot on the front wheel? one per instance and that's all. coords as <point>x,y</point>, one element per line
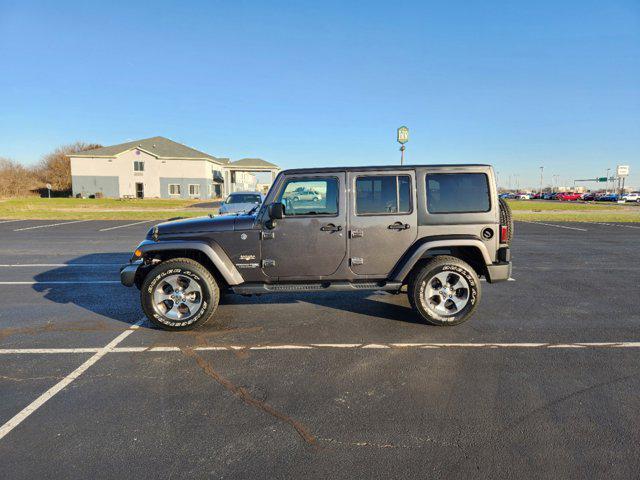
<point>445,291</point>
<point>179,294</point>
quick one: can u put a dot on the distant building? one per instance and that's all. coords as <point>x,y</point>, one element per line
<point>161,168</point>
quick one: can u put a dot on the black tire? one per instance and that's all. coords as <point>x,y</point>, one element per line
<point>189,271</point>
<point>506,218</point>
<point>455,268</point>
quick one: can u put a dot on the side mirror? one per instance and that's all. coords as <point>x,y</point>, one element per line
<point>276,211</point>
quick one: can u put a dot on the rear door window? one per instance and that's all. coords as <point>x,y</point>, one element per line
<point>458,193</point>
<point>383,194</point>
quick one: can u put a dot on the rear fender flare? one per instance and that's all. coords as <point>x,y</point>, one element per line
<point>405,266</point>
<point>213,251</point>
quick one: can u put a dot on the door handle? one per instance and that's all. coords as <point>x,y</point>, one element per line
<point>399,226</point>
<point>330,227</point>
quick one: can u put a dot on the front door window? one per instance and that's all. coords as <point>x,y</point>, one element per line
<point>310,196</point>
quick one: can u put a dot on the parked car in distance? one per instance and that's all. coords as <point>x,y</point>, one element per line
<point>568,196</point>
<point>241,202</point>
<point>609,197</point>
<point>524,196</point>
<point>589,197</point>
<point>631,197</point>
<point>304,195</point>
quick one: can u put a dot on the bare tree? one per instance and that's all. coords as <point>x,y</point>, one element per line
<point>16,179</point>
<point>55,167</point>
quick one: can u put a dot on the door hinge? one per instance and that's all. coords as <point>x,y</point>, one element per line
<point>267,262</point>
<point>356,261</point>
<point>267,235</point>
<point>356,233</point>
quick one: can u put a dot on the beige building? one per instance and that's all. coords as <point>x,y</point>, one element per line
<point>161,168</point>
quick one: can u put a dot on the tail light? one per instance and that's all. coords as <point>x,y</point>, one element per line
<point>504,234</point>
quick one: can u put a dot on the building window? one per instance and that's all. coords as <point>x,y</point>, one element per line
<point>174,189</point>
<point>138,166</point>
<point>194,189</point>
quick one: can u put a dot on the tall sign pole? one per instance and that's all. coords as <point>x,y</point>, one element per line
<point>403,137</point>
<point>541,170</point>
<point>622,172</point>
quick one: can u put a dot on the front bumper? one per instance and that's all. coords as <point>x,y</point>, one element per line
<point>128,273</point>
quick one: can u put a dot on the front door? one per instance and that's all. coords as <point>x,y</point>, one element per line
<point>311,241</point>
<point>139,190</point>
<point>382,218</point>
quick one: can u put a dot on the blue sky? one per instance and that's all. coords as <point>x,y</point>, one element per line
<point>515,84</point>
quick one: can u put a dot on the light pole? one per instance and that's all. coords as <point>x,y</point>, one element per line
<point>606,185</point>
<point>541,170</point>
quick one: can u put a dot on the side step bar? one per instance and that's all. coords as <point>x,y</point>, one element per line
<point>259,288</point>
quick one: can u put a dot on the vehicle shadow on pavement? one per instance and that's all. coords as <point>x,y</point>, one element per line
<point>92,282</point>
<point>370,304</point>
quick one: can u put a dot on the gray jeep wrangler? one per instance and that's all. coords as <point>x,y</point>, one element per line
<point>433,230</point>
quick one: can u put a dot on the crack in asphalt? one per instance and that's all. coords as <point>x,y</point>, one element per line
<point>244,395</point>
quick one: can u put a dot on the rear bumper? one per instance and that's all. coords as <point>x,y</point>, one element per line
<point>128,273</point>
<point>498,272</point>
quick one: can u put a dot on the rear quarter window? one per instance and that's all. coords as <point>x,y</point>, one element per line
<point>457,193</point>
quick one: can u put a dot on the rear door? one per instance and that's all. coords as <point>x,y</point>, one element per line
<point>310,242</point>
<point>382,218</point>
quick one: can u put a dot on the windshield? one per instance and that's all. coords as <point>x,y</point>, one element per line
<point>244,198</point>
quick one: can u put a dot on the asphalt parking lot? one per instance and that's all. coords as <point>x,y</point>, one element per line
<point>543,382</point>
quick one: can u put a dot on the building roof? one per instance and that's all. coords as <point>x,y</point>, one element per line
<point>252,163</point>
<point>160,147</point>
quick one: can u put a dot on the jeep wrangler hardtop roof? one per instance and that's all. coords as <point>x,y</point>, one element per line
<point>380,167</point>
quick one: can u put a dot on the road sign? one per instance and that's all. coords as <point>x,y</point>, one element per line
<point>48,186</point>
<point>622,170</point>
<point>403,135</point>
<point>602,179</point>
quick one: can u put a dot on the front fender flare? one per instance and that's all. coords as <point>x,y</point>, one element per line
<point>213,251</point>
<point>401,271</point>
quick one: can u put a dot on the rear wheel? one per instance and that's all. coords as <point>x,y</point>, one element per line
<point>179,294</point>
<point>445,291</point>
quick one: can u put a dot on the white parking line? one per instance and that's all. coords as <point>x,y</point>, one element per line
<point>330,346</point>
<point>62,282</point>
<point>50,225</point>
<point>552,225</point>
<point>616,225</point>
<point>127,225</point>
<point>42,399</point>
<point>9,221</point>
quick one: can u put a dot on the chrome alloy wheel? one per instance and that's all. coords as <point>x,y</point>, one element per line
<point>446,293</point>
<point>177,297</point>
